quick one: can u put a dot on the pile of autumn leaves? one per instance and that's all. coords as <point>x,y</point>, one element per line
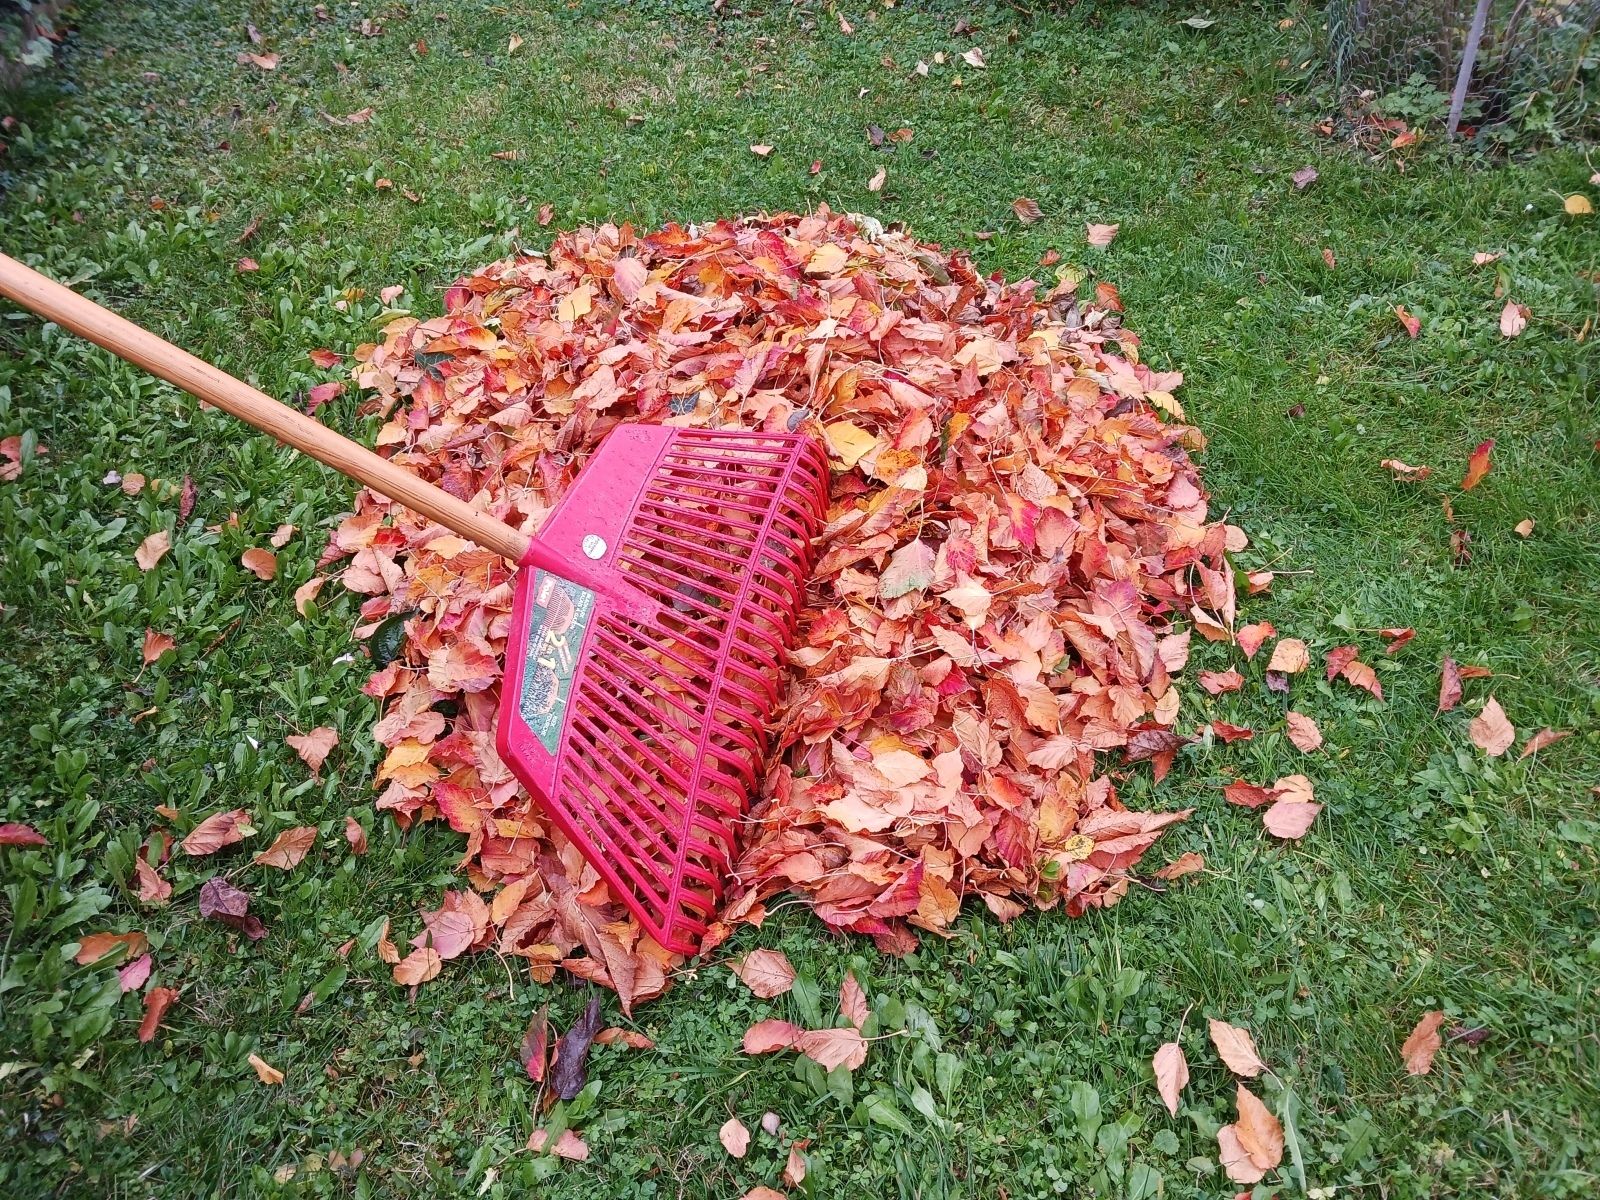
<point>1015,534</point>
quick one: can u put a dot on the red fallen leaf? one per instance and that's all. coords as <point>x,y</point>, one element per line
<point>155,645</point>
<point>1412,325</point>
<point>816,166</point>
<point>1405,470</point>
<point>1422,1044</point>
<point>356,834</point>
<point>1289,657</point>
<point>853,1001</point>
<point>1340,657</point>
<point>1449,684</point>
<point>1491,731</point>
<point>568,1146</point>
<point>1050,257</point>
<point>1172,1074</point>
<point>830,1048</point>
<point>1327,257</point>
<point>307,592</point>
<point>186,499</point>
<point>1478,465</point>
<point>1396,638</point>
<point>321,394</point>
<point>314,746</point>
<point>1473,671</point>
<point>547,213</point>
<point>261,563</point>
<point>1471,1036</point>
<point>1248,795</point>
<point>1259,582</point>
<point>288,849</point>
<point>535,1043</point>
<point>765,1037</point>
<point>14,834</point>
<point>1227,733</point>
<point>735,1138</point>
<point>1251,637</point>
<point>765,972</point>
<point>246,265</point>
<point>152,888</point>
<point>218,830</point>
<point>1359,674</point>
<point>1027,210</point>
<point>222,901</point>
<point>1218,682</point>
<point>1303,732</point>
<point>794,1169</point>
<point>1545,737</point>
<point>156,1002</point>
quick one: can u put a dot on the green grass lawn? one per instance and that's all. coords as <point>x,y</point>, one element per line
<point>1434,878</point>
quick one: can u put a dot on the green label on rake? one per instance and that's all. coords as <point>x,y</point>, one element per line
<point>556,625</point>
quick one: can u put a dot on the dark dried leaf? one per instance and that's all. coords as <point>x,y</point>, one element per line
<point>569,1071</point>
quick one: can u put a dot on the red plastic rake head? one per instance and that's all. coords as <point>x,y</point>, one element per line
<point>645,663</point>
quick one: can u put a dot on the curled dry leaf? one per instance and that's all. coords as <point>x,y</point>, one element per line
<point>281,535</point>
<point>1404,470</point>
<point>1172,1074</point>
<point>1303,732</point>
<point>153,549</point>
<point>229,905</point>
<point>615,1036</point>
<point>1513,319</point>
<point>767,973</point>
<point>264,62</point>
<point>1524,527</point>
<point>1545,737</point>
<point>1101,235</point>
<point>974,58</point>
<point>1027,210</point>
<point>853,1001</point>
<point>1491,731</point>
<point>1289,656</point>
<point>1236,1048</point>
<point>218,830</point>
<point>288,849</point>
<point>1412,325</point>
<point>1187,863</point>
<point>569,1070</point>
<point>314,746</point>
<point>356,834</point>
<point>1577,205</point>
<point>263,564</point>
<point>735,1138</point>
<point>156,1003</point>
<point>1449,684</point>
<point>1422,1043</point>
<point>265,1072</point>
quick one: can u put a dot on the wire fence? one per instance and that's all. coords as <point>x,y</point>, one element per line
<point>1535,69</point>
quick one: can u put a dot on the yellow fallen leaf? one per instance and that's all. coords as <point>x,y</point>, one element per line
<point>267,1073</point>
<point>847,442</point>
<point>1577,205</point>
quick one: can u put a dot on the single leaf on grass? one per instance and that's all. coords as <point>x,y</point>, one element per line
<point>735,1138</point>
<point>763,1192</point>
<point>1412,325</point>
<point>1545,737</point>
<point>92,947</point>
<point>1259,1131</point>
<point>13,833</point>
<point>216,831</point>
<point>569,1070</point>
<point>223,902</point>
<point>1218,682</point>
<point>853,1001</point>
<point>765,1037</point>
<point>281,535</point>
<point>1513,319</point>
<point>314,746</point>
<point>761,150</point>
<point>1524,527</point>
<point>261,563</point>
<point>974,58</point>
<point>568,1145</point>
<point>418,967</point>
<point>1303,732</point>
<point>830,1048</point>
<point>1101,235</point>
<point>1449,684</point>
<point>264,62</point>
<point>156,1002</point>
<point>388,952</point>
<point>1290,819</point>
<point>155,645</point>
<point>323,358</point>
<point>767,973</point>
<point>1172,1074</point>
<point>794,1169</point>
<point>1396,637</point>
<point>535,1044</point>
<point>288,848</point>
<point>1236,1048</point>
<point>307,592</point>
<point>1577,205</point>
<point>321,394</point>
<point>356,834</point>
<point>1478,465</point>
<point>1187,863</point>
<point>153,549</point>
<point>152,888</point>
<point>1422,1044</point>
<point>1403,470</point>
<point>265,1072</point>
<point>1289,656</point>
<point>132,976</point>
<point>1491,731</point>
<point>614,1036</point>
<point>875,184</point>
<point>1250,638</point>
<point>1027,210</point>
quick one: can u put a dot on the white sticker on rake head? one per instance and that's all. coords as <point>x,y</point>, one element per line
<point>558,618</point>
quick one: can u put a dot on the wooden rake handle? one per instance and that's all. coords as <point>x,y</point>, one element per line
<point>123,338</point>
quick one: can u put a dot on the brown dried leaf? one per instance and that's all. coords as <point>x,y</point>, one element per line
<point>418,967</point>
<point>767,973</point>
<point>1491,731</point>
<point>1422,1044</point>
<point>765,1037</point>
<point>218,830</point>
<point>853,1001</point>
<point>153,549</point>
<point>262,563</point>
<point>288,849</point>
<point>314,746</point>
<point>1236,1048</point>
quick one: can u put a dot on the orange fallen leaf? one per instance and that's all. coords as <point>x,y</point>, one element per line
<point>1478,465</point>
<point>288,849</point>
<point>853,1001</point>
<point>307,592</point>
<point>1236,1048</point>
<point>155,645</point>
<point>265,1072</point>
<point>1290,819</point>
<point>355,833</point>
<point>1412,325</point>
<point>314,746</point>
<point>1260,1133</point>
<point>156,1003</point>
<point>767,973</point>
<point>262,563</point>
<point>830,1048</point>
<point>1422,1044</point>
<point>765,1037</point>
<point>1187,863</point>
<point>216,831</point>
<point>1404,470</point>
<point>875,184</point>
<point>1491,731</point>
<point>1303,732</point>
<point>153,549</point>
<point>1545,737</point>
<point>418,967</point>
<point>1172,1074</point>
<point>1289,657</point>
<point>92,947</point>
